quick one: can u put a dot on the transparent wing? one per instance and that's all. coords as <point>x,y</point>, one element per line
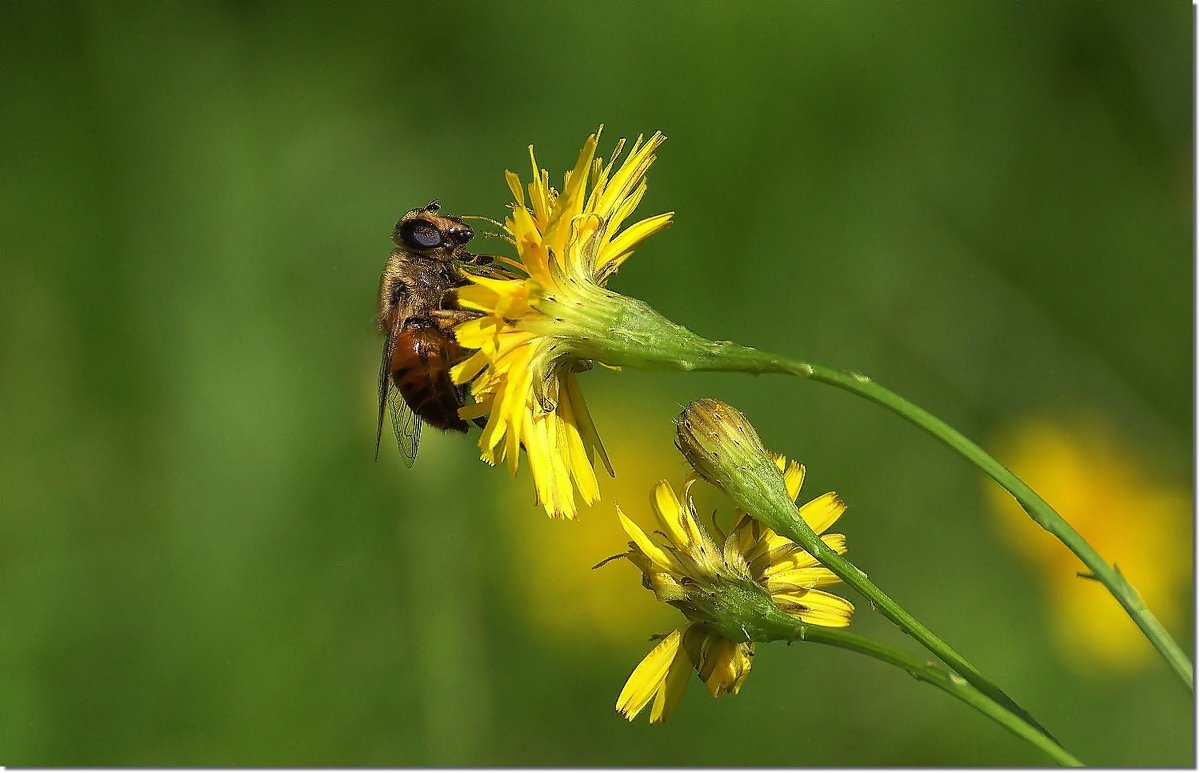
<point>404,422</point>
<point>406,425</point>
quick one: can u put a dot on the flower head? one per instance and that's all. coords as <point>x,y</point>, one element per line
<point>724,585</point>
<point>534,333</point>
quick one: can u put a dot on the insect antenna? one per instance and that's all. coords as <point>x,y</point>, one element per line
<point>485,219</point>
<point>492,234</point>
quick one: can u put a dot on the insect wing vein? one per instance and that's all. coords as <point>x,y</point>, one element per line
<point>406,426</point>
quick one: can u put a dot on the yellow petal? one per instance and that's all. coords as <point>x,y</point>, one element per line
<point>679,673</point>
<point>744,655</point>
<point>475,332</point>
<point>477,298</point>
<point>767,549</point>
<point>575,455</point>
<point>485,294</point>
<point>789,556</point>
<point>539,191</point>
<point>625,180</point>
<point>666,588</point>
<point>475,410</point>
<point>571,200</point>
<point>821,513</point>
<point>791,580</point>
<point>836,542</point>
<point>666,506</point>
<point>468,368</point>
<point>649,676</point>
<point>717,667</point>
<point>551,479</point>
<point>816,607</point>
<point>514,185</point>
<point>587,428</point>
<point>745,529</point>
<point>785,560</point>
<point>625,208</point>
<point>793,478</point>
<point>723,664</point>
<point>620,248</point>
<point>652,551</point>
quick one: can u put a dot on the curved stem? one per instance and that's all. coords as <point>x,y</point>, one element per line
<point>752,361</point>
<point>637,335</point>
<point>772,505</point>
<point>939,678</point>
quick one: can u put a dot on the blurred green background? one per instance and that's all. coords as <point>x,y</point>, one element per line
<point>986,207</point>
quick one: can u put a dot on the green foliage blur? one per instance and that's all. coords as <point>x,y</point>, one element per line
<point>985,206</point>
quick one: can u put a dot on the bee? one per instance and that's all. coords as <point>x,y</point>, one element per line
<point>418,309</point>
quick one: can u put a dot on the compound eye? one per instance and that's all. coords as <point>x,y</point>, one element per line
<point>461,234</point>
<point>420,235</point>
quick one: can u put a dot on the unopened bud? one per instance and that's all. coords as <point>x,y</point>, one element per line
<point>722,447</point>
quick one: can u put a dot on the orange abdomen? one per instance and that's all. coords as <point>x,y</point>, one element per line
<point>420,369</point>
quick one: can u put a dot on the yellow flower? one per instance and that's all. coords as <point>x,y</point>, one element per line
<point>534,335</point>
<point>1129,516</point>
<point>663,674</point>
<point>708,579</point>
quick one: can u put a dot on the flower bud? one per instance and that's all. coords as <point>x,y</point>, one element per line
<point>724,449</point>
<point>720,443</point>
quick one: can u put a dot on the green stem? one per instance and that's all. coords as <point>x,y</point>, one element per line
<point>949,683</point>
<point>637,335</point>
<point>750,360</point>
<point>941,679</point>
<point>771,505</point>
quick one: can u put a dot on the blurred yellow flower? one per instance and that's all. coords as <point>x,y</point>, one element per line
<point>1125,512</point>
<point>562,599</point>
<point>687,568</point>
<point>533,329</point>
